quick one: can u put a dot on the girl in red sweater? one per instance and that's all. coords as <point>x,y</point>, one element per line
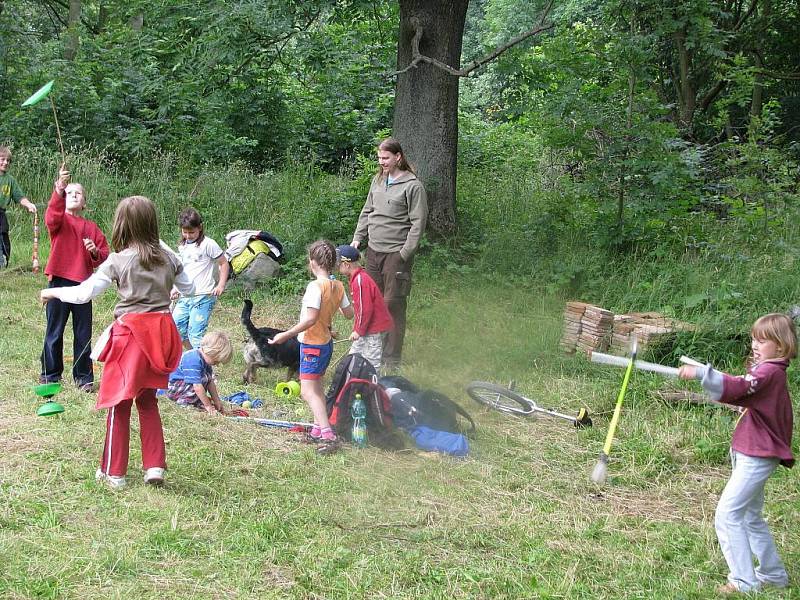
<point>77,247</point>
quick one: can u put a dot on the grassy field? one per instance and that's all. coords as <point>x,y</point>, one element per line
<point>250,512</point>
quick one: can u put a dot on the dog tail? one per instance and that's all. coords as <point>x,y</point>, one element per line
<point>247,311</point>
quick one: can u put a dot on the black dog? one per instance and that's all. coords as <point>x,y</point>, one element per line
<point>258,352</point>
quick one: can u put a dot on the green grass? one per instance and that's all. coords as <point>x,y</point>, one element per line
<point>249,512</point>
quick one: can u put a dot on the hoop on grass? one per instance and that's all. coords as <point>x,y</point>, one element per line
<point>500,398</point>
<point>508,401</point>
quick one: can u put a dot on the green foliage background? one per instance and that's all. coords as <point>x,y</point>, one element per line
<point>582,174</point>
<point>581,168</point>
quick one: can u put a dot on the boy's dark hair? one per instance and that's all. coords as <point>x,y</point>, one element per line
<point>190,218</point>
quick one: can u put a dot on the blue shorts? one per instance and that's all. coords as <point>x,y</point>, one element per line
<point>314,360</point>
<point>191,315</point>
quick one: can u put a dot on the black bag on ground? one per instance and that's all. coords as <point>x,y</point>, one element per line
<point>356,375</point>
<point>412,406</point>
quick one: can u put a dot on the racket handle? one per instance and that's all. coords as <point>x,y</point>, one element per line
<point>608,359</point>
<point>621,361</point>
<point>690,361</point>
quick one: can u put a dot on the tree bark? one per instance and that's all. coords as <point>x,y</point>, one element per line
<point>426,101</point>
<point>72,41</point>
<point>687,94</point>
<point>2,52</point>
<point>102,17</point>
<point>758,88</point>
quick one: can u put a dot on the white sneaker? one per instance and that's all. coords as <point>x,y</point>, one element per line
<point>115,482</point>
<point>154,476</point>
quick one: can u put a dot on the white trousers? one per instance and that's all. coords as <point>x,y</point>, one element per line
<point>370,347</point>
<point>741,528</point>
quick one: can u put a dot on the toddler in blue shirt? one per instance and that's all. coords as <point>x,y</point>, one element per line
<point>192,383</point>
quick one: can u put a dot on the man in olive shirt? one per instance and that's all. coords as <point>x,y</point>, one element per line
<point>393,218</point>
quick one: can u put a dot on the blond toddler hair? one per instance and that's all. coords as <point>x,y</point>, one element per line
<point>217,346</point>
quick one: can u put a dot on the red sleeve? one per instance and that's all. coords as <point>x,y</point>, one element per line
<point>362,304</point>
<point>102,247</point>
<point>739,390</point>
<point>54,215</point>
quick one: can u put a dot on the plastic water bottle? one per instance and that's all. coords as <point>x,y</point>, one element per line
<point>358,410</point>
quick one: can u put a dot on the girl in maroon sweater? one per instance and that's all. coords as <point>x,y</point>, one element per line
<point>77,248</point>
<point>761,441</point>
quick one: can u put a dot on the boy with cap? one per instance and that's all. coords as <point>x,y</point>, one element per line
<point>372,319</point>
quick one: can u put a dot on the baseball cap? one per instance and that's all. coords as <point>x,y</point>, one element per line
<point>347,253</point>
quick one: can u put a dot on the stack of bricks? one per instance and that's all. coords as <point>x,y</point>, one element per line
<point>588,327</point>
<point>573,313</point>
<point>652,329</point>
<point>597,327</point>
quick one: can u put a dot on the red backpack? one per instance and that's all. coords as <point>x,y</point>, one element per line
<point>356,375</point>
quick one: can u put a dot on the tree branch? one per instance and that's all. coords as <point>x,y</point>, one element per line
<point>742,18</point>
<point>417,57</point>
<point>776,75</point>
<point>265,42</point>
<point>711,95</point>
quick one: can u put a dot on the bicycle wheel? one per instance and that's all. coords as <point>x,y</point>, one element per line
<point>500,398</point>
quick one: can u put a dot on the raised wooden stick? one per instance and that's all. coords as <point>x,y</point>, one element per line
<point>35,253</point>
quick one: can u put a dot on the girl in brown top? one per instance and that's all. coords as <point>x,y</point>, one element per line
<point>142,347</point>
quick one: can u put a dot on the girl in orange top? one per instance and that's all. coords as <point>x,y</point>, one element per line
<point>323,297</point>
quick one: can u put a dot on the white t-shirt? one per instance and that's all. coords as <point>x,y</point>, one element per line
<point>200,263</point>
<point>313,299</point>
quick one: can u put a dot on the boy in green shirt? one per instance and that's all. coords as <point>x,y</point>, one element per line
<point>10,192</point>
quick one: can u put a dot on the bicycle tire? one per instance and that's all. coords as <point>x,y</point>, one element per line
<point>500,398</point>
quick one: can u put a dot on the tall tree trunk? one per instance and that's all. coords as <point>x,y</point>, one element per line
<point>687,95</point>
<point>758,88</point>
<point>426,101</point>
<point>758,53</point>
<point>102,17</point>
<point>73,22</point>
<point>2,52</point>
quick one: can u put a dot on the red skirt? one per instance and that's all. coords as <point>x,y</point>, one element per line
<point>143,349</point>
